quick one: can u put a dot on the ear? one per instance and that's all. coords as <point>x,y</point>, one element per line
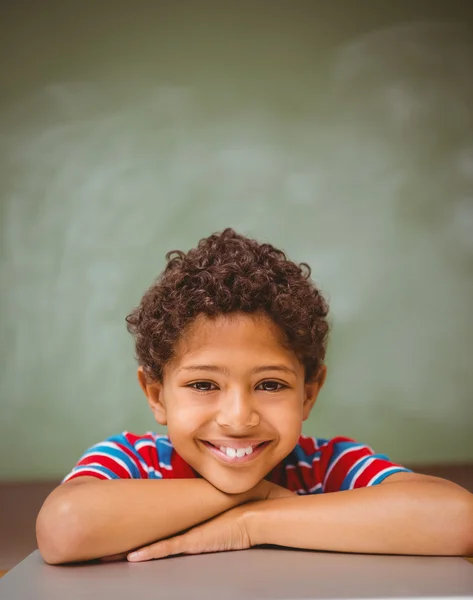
<point>311,391</point>
<point>153,390</point>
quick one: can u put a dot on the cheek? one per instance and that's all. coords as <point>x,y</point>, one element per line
<point>284,413</point>
<point>184,418</point>
<point>287,419</point>
<point>290,429</point>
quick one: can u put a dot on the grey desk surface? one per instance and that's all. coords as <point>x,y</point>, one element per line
<point>258,573</point>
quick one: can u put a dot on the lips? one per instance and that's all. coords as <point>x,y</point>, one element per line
<point>241,443</point>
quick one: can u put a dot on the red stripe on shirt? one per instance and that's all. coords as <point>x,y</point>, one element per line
<point>308,445</point>
<point>336,476</point>
<point>107,462</point>
<point>293,482</point>
<point>180,468</point>
<point>371,470</point>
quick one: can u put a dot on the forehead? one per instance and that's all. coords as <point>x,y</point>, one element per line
<point>226,335</point>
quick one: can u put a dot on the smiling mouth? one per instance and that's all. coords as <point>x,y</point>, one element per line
<point>230,454</point>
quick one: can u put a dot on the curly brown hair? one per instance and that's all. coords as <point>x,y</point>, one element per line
<point>229,273</point>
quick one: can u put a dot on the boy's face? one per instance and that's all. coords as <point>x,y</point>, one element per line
<point>233,399</point>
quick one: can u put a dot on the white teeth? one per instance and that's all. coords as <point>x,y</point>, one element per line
<point>236,452</point>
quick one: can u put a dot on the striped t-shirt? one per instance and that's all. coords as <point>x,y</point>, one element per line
<point>314,466</point>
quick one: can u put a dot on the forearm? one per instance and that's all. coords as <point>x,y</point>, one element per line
<point>100,518</point>
<point>392,518</point>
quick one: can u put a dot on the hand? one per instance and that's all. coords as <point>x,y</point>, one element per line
<point>227,531</point>
<point>223,533</point>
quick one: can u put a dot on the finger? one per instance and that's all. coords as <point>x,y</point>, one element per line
<point>160,549</point>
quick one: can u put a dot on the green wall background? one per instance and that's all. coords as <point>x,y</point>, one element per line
<point>341,132</point>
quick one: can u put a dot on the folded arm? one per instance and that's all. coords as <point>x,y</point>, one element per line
<point>87,518</point>
<point>406,514</point>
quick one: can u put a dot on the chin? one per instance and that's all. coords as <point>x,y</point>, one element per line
<point>232,486</point>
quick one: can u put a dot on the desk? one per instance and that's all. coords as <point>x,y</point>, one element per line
<point>257,573</point>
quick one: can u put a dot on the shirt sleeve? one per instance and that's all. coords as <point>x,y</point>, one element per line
<point>115,458</point>
<point>346,465</point>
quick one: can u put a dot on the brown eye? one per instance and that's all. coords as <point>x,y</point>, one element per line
<point>203,386</point>
<point>271,386</point>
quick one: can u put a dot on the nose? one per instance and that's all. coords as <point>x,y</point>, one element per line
<point>237,412</point>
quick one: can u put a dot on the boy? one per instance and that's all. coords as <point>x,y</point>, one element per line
<point>231,343</point>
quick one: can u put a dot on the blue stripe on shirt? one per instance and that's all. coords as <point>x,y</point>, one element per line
<point>117,453</point>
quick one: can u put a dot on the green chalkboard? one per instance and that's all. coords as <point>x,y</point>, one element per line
<point>130,129</point>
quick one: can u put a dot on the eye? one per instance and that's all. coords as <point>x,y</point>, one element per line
<point>203,386</point>
<point>271,386</point>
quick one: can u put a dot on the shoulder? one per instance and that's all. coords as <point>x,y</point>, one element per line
<point>335,464</point>
<point>156,453</point>
<point>126,455</point>
<point>329,452</point>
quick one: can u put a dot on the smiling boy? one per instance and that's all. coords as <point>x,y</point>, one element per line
<point>231,343</point>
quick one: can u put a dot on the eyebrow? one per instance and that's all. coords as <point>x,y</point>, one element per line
<point>215,368</point>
